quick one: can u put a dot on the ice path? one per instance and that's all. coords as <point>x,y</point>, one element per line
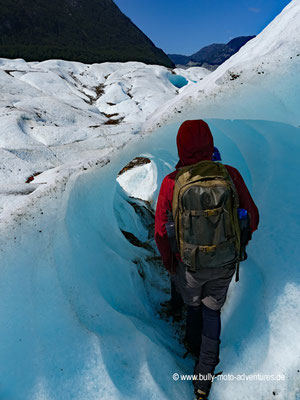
<point>77,321</point>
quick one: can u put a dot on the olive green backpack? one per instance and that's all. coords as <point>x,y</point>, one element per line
<point>204,209</point>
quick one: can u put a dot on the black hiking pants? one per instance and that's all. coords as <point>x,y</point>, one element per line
<point>204,292</point>
<point>176,298</point>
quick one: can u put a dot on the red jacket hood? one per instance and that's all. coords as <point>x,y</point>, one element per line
<point>194,142</point>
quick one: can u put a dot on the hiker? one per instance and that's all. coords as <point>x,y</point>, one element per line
<point>173,307</point>
<point>208,236</point>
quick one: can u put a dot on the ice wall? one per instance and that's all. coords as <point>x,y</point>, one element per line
<point>78,321</point>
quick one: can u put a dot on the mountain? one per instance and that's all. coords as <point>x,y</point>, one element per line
<point>238,42</point>
<point>216,54</point>
<point>212,55</point>
<point>78,30</point>
<point>258,82</point>
<point>179,59</point>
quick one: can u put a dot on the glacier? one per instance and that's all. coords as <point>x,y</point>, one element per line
<point>79,321</point>
<point>79,303</point>
<point>177,80</point>
<point>58,116</point>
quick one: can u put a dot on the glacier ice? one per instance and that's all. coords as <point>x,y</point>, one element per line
<point>140,182</point>
<point>79,322</point>
<point>78,301</point>
<point>177,80</point>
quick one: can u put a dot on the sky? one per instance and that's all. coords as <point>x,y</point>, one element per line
<point>185,26</point>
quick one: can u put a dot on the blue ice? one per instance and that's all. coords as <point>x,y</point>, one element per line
<point>77,321</point>
<point>177,80</point>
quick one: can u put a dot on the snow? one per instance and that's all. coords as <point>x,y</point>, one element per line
<point>78,302</point>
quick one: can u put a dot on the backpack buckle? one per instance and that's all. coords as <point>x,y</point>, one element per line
<point>208,249</point>
<point>209,213</point>
<point>212,212</point>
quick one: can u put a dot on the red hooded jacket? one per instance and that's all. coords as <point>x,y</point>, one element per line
<point>194,143</point>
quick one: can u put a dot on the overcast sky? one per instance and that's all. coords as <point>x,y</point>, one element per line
<point>184,26</point>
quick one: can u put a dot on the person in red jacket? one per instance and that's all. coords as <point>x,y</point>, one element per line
<point>204,291</point>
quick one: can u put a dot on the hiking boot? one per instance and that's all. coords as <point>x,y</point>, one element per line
<point>200,395</point>
<point>208,360</point>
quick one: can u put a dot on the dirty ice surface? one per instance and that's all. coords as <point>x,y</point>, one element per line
<point>79,300</point>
